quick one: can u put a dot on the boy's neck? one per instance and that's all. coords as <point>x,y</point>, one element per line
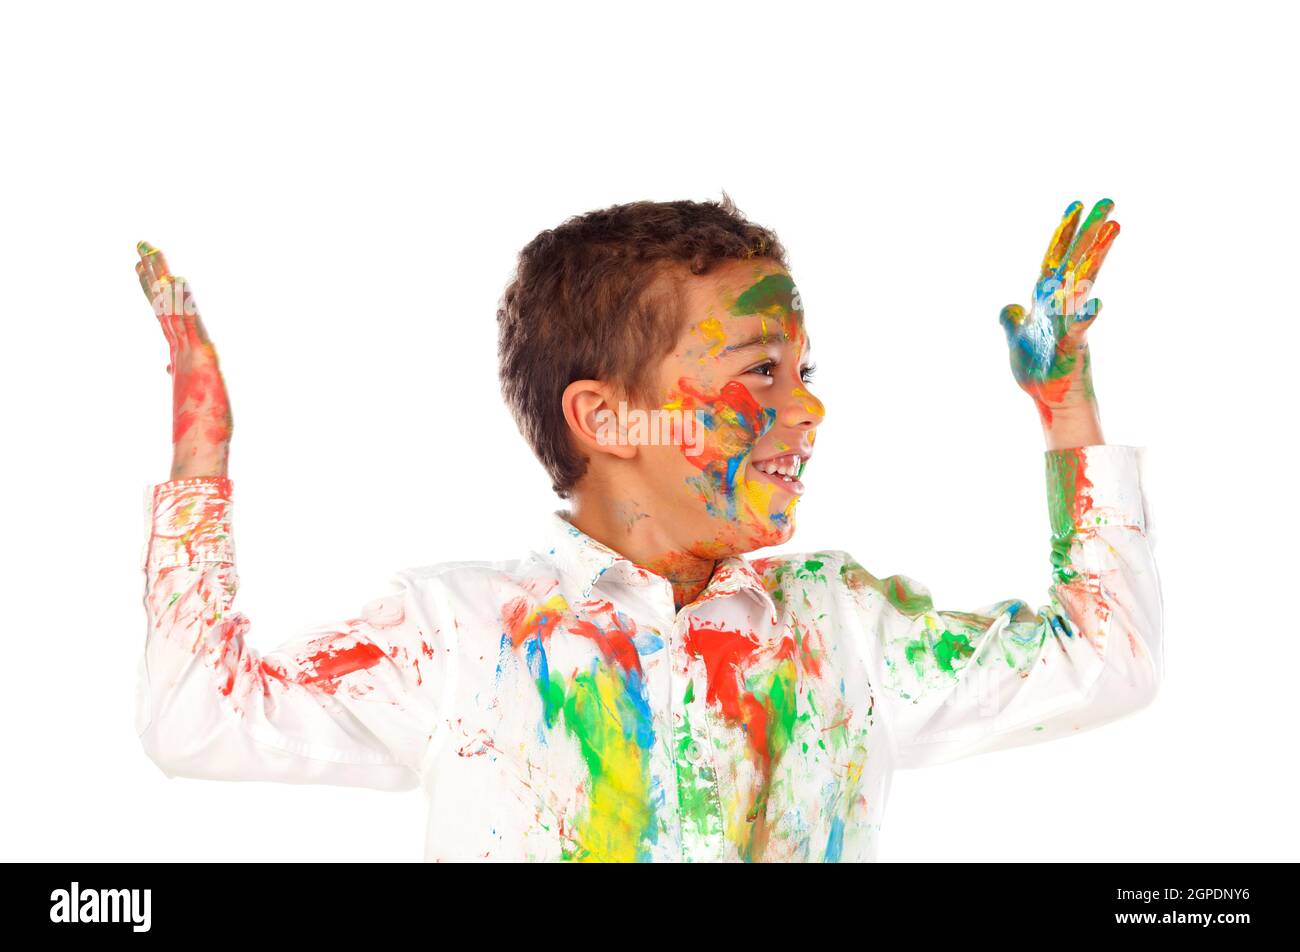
<point>642,540</point>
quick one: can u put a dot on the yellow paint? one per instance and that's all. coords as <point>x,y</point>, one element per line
<point>711,329</point>
<point>810,403</point>
<point>619,808</point>
<point>758,496</point>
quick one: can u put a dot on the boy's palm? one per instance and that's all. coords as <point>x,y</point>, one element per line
<point>1049,353</point>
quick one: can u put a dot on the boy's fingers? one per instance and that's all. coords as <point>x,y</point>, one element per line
<point>153,260</point>
<point>184,298</point>
<point>152,289</point>
<point>1093,258</point>
<point>1088,233</point>
<point>1083,320</point>
<point>147,250</point>
<point>1061,239</point>
<point>1011,317</point>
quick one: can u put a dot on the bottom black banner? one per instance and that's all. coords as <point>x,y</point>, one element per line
<point>1221,902</point>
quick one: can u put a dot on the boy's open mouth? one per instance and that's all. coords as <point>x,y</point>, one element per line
<point>783,470</point>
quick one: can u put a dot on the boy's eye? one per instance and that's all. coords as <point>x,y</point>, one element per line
<point>766,368</point>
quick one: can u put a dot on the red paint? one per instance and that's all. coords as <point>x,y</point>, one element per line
<point>523,622</point>
<point>725,654</point>
<point>730,441</point>
<point>615,642</point>
<point>197,394</point>
<point>1047,393</point>
<point>810,655</point>
<point>1082,503</point>
<point>332,663</point>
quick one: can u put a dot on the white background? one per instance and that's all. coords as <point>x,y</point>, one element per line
<point>346,188</point>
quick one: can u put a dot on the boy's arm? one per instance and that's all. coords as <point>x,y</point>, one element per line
<point>958,683</point>
<point>964,682</point>
<point>353,704</point>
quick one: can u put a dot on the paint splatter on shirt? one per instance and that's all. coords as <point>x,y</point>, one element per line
<point>558,708</point>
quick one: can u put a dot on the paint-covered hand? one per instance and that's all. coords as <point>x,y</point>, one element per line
<point>201,421</point>
<point>1049,352</point>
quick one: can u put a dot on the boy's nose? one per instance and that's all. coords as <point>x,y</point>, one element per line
<point>803,410</point>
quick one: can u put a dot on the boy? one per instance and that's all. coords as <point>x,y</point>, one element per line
<point>634,688</point>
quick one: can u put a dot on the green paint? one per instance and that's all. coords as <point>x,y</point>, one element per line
<point>1062,488</point>
<point>948,648</point>
<point>907,596</point>
<point>773,291</point>
<point>1087,378</point>
<point>552,695</point>
<point>779,700</point>
<point>697,794</point>
<point>810,570</point>
<point>910,600</point>
<point>783,703</point>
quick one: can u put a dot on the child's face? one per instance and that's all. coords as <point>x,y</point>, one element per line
<point>741,366</point>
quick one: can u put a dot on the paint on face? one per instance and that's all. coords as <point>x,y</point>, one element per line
<point>774,297</point>
<point>712,330</point>
<point>733,422</point>
<point>811,404</point>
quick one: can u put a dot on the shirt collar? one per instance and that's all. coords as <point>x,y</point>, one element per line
<point>588,562</point>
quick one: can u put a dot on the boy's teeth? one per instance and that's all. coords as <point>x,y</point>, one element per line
<point>785,467</point>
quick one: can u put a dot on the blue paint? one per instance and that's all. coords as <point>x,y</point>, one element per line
<point>835,842</point>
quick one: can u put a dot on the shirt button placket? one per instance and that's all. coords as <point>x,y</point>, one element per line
<point>707,810</point>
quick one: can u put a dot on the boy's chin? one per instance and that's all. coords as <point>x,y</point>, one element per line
<point>776,535</point>
<point>755,537</point>
<point>739,537</point>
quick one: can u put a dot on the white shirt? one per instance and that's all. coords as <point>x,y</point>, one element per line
<point>558,707</point>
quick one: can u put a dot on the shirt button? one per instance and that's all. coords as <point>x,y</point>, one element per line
<point>693,752</point>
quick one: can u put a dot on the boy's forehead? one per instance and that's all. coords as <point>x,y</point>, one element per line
<point>742,293</point>
<point>744,296</point>
<point>734,281</point>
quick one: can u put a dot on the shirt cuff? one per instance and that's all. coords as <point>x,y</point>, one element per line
<point>1095,486</point>
<point>190,522</point>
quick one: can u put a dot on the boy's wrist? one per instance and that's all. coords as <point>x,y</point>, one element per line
<point>211,462</point>
<point>1073,425</point>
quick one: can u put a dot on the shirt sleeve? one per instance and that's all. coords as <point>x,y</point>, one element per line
<point>964,682</point>
<point>353,704</point>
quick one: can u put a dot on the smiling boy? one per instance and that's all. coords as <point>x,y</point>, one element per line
<point>635,688</point>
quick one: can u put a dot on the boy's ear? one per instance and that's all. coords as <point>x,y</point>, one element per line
<point>591,408</point>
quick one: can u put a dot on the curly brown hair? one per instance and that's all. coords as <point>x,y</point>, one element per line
<point>599,298</point>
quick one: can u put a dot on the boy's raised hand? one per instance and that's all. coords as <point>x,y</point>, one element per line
<point>201,420</point>
<point>1049,351</point>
